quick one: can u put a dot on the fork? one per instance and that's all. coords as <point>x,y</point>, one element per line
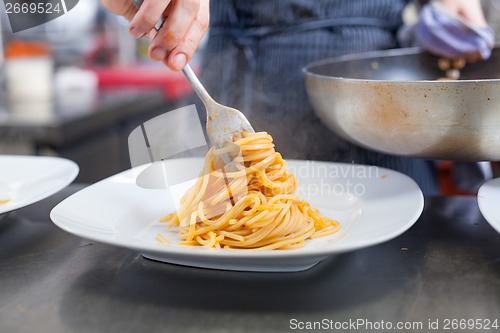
<point>223,122</point>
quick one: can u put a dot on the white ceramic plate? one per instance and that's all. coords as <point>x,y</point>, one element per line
<point>488,199</point>
<point>373,205</point>
<point>28,179</point>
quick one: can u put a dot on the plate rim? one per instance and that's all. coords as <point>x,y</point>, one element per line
<point>482,202</point>
<point>68,179</point>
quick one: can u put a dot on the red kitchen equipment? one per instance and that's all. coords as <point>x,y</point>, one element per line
<point>174,84</point>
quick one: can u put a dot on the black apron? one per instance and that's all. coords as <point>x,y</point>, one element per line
<point>254,58</point>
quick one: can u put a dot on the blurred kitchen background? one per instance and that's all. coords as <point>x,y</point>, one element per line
<point>77,86</point>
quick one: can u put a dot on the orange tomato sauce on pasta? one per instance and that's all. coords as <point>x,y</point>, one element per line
<point>248,206</point>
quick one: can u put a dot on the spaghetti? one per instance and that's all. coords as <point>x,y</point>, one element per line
<point>249,206</point>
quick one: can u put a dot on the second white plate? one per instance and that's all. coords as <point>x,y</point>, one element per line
<point>372,204</point>
<point>27,179</point>
<point>488,199</point>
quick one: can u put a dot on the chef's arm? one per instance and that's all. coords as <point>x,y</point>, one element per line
<point>470,10</point>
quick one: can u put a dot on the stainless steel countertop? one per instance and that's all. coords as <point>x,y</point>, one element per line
<point>446,266</point>
<point>72,123</point>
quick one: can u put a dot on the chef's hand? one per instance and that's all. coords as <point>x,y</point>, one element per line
<point>186,21</point>
<point>455,29</point>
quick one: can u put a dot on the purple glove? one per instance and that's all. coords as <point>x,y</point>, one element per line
<point>447,35</point>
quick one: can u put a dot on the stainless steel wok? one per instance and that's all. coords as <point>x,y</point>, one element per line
<point>389,101</point>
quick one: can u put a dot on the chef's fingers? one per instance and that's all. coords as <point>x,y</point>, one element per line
<point>183,15</point>
<point>182,53</point>
<point>123,8</point>
<point>148,15</point>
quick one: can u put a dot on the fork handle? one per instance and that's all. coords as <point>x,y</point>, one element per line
<point>198,88</point>
<point>188,72</point>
